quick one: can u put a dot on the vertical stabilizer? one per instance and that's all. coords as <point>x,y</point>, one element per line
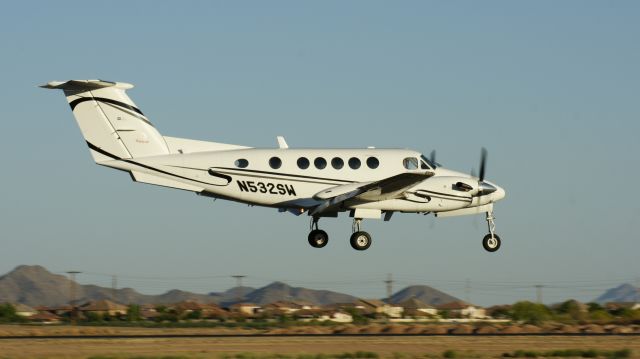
<point>113,126</point>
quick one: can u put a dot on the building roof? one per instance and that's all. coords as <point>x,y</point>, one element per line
<point>102,305</point>
<point>44,317</point>
<point>414,303</point>
<point>455,305</point>
<point>19,307</point>
<point>373,303</point>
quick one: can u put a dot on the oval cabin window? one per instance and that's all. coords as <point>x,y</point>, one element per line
<point>320,163</point>
<point>373,162</point>
<point>241,163</point>
<point>275,162</point>
<point>354,163</point>
<point>337,163</point>
<point>303,163</point>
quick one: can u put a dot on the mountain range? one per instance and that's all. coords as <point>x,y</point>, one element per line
<point>35,285</point>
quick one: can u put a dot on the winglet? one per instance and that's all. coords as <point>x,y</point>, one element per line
<point>282,143</point>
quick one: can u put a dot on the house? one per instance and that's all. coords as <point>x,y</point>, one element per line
<point>613,306</point>
<point>249,309</point>
<point>282,307</point>
<point>24,310</point>
<point>45,318</point>
<point>307,315</point>
<point>414,307</point>
<point>102,307</point>
<point>379,307</point>
<point>60,310</point>
<point>460,309</point>
<point>336,316</point>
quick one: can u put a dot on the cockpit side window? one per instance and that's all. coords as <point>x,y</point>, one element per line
<point>410,163</point>
<point>428,162</point>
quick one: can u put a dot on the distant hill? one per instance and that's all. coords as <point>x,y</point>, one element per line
<point>232,295</point>
<point>622,293</point>
<point>35,285</point>
<point>280,291</point>
<point>424,293</point>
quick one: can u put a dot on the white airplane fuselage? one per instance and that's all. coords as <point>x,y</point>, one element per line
<point>294,188</point>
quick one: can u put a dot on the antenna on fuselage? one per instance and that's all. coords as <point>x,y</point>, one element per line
<point>282,144</point>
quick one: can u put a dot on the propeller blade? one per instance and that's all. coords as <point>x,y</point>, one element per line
<point>433,157</point>
<point>483,163</point>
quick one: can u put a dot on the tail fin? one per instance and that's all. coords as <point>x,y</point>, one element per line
<point>110,122</point>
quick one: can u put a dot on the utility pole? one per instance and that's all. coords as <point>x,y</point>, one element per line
<point>239,278</point>
<point>114,287</point>
<point>467,290</point>
<point>72,293</point>
<point>389,283</point>
<point>539,293</point>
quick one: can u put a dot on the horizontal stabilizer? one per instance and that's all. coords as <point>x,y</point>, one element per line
<point>164,182</point>
<point>85,85</point>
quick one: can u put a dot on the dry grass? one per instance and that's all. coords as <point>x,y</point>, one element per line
<point>267,347</point>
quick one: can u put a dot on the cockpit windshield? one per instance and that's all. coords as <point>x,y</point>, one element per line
<point>433,165</point>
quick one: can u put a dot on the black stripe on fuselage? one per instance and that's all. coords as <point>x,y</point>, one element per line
<point>246,174</point>
<point>285,174</point>
<point>101,151</point>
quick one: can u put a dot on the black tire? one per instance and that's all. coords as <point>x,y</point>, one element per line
<point>318,238</point>
<point>360,240</point>
<point>491,245</point>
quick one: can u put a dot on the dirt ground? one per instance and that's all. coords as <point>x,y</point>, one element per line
<point>393,347</point>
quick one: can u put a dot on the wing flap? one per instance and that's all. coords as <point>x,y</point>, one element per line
<point>388,188</point>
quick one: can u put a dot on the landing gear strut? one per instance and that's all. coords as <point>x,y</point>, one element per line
<point>317,237</point>
<point>360,240</point>
<point>491,242</point>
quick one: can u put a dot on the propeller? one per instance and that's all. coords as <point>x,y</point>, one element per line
<point>432,157</point>
<point>483,187</point>
<point>483,163</point>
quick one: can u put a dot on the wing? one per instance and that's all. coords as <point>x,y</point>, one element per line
<point>388,188</point>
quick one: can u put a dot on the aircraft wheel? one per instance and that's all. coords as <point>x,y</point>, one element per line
<point>491,244</point>
<point>360,240</point>
<point>318,238</point>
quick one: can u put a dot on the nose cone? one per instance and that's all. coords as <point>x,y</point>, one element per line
<point>499,193</point>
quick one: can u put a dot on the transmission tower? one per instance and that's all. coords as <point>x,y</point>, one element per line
<point>539,293</point>
<point>239,278</point>
<point>389,284</point>
<point>72,293</point>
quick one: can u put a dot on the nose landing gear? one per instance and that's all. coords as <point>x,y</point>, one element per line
<point>491,242</point>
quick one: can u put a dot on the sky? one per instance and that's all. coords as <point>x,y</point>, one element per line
<point>549,88</point>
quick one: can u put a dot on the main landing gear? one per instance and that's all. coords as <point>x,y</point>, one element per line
<point>360,240</point>
<point>491,242</point>
<point>317,237</point>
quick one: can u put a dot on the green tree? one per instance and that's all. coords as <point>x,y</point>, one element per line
<point>529,312</point>
<point>133,313</point>
<point>571,309</point>
<point>8,313</point>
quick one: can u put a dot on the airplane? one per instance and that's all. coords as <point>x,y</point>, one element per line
<point>368,183</point>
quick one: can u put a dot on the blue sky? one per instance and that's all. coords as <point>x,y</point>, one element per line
<point>549,88</point>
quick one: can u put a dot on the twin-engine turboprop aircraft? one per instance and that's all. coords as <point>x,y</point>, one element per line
<point>368,183</point>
